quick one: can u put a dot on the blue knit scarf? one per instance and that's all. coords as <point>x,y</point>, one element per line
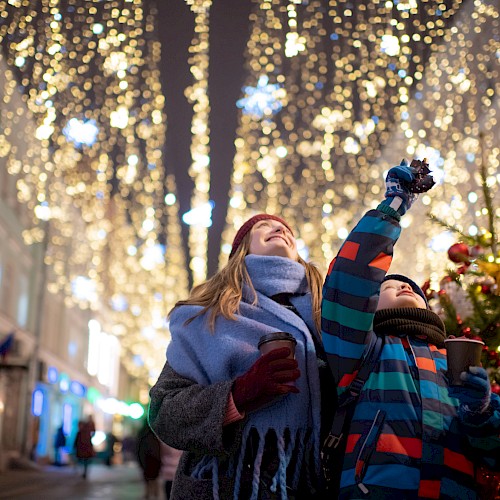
<point>208,358</point>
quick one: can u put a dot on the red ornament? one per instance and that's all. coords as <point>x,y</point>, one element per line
<point>486,289</point>
<point>459,252</point>
<point>492,355</point>
<point>495,388</point>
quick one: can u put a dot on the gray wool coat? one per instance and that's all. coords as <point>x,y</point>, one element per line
<point>186,415</point>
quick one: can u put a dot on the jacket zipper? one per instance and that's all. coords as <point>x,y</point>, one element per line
<point>377,422</point>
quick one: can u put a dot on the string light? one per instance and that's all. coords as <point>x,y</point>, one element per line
<point>199,170</point>
<point>334,97</point>
<point>375,82</point>
<point>453,121</point>
<point>92,165</point>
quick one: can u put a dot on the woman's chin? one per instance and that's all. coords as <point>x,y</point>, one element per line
<point>280,250</point>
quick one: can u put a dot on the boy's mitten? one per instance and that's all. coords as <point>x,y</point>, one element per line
<point>397,194</point>
<point>404,183</point>
<point>267,378</point>
<point>475,394</point>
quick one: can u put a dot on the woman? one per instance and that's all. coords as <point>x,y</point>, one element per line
<point>250,424</point>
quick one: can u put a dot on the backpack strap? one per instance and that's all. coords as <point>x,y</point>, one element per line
<point>335,443</point>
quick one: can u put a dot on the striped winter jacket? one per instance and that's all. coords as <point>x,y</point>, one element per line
<point>405,440</point>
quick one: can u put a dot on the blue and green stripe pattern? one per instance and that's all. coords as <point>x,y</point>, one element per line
<point>405,440</point>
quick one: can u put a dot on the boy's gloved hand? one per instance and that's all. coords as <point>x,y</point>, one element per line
<point>475,394</point>
<point>398,194</point>
<point>266,379</point>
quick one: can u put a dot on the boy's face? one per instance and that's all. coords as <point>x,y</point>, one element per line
<point>271,237</point>
<point>394,293</point>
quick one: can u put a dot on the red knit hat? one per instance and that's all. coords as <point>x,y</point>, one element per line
<point>243,230</point>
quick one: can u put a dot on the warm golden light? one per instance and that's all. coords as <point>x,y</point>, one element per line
<point>334,96</point>
<point>92,165</point>
<point>375,82</point>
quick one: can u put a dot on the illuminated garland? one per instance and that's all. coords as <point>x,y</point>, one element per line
<point>452,120</point>
<point>199,170</point>
<point>93,165</point>
<point>345,88</point>
<point>334,96</point>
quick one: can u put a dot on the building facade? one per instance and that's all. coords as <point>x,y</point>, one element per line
<point>56,365</point>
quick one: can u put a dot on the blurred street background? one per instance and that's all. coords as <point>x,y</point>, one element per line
<point>56,483</point>
<point>137,135</point>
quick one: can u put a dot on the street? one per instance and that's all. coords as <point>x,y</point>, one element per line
<point>122,482</point>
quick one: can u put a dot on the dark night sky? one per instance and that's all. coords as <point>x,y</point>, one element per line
<point>229,30</point>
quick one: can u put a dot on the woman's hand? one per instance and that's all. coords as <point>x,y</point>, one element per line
<point>270,376</point>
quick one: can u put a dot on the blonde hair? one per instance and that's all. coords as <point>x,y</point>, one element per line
<point>222,293</point>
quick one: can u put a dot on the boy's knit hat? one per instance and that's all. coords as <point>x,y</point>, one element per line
<point>243,230</point>
<point>414,286</point>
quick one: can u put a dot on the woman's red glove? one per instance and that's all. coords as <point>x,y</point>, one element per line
<point>267,378</point>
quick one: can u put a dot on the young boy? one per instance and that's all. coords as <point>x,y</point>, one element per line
<point>411,436</point>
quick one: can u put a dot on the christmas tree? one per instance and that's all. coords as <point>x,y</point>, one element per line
<point>468,300</point>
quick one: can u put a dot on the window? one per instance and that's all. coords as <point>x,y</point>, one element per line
<point>7,289</point>
<point>23,301</point>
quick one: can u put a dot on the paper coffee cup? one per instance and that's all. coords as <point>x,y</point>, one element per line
<point>276,340</point>
<point>462,353</point>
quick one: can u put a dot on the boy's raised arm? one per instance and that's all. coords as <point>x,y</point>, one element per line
<point>351,289</point>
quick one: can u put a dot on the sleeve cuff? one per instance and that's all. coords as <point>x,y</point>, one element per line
<point>386,209</point>
<point>232,413</point>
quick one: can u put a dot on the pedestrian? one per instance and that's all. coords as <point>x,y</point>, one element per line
<point>84,448</point>
<point>129,448</point>
<point>250,423</point>
<point>59,443</point>
<point>169,461</point>
<point>35,436</point>
<point>109,450</point>
<point>149,458</point>
<point>412,436</point>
